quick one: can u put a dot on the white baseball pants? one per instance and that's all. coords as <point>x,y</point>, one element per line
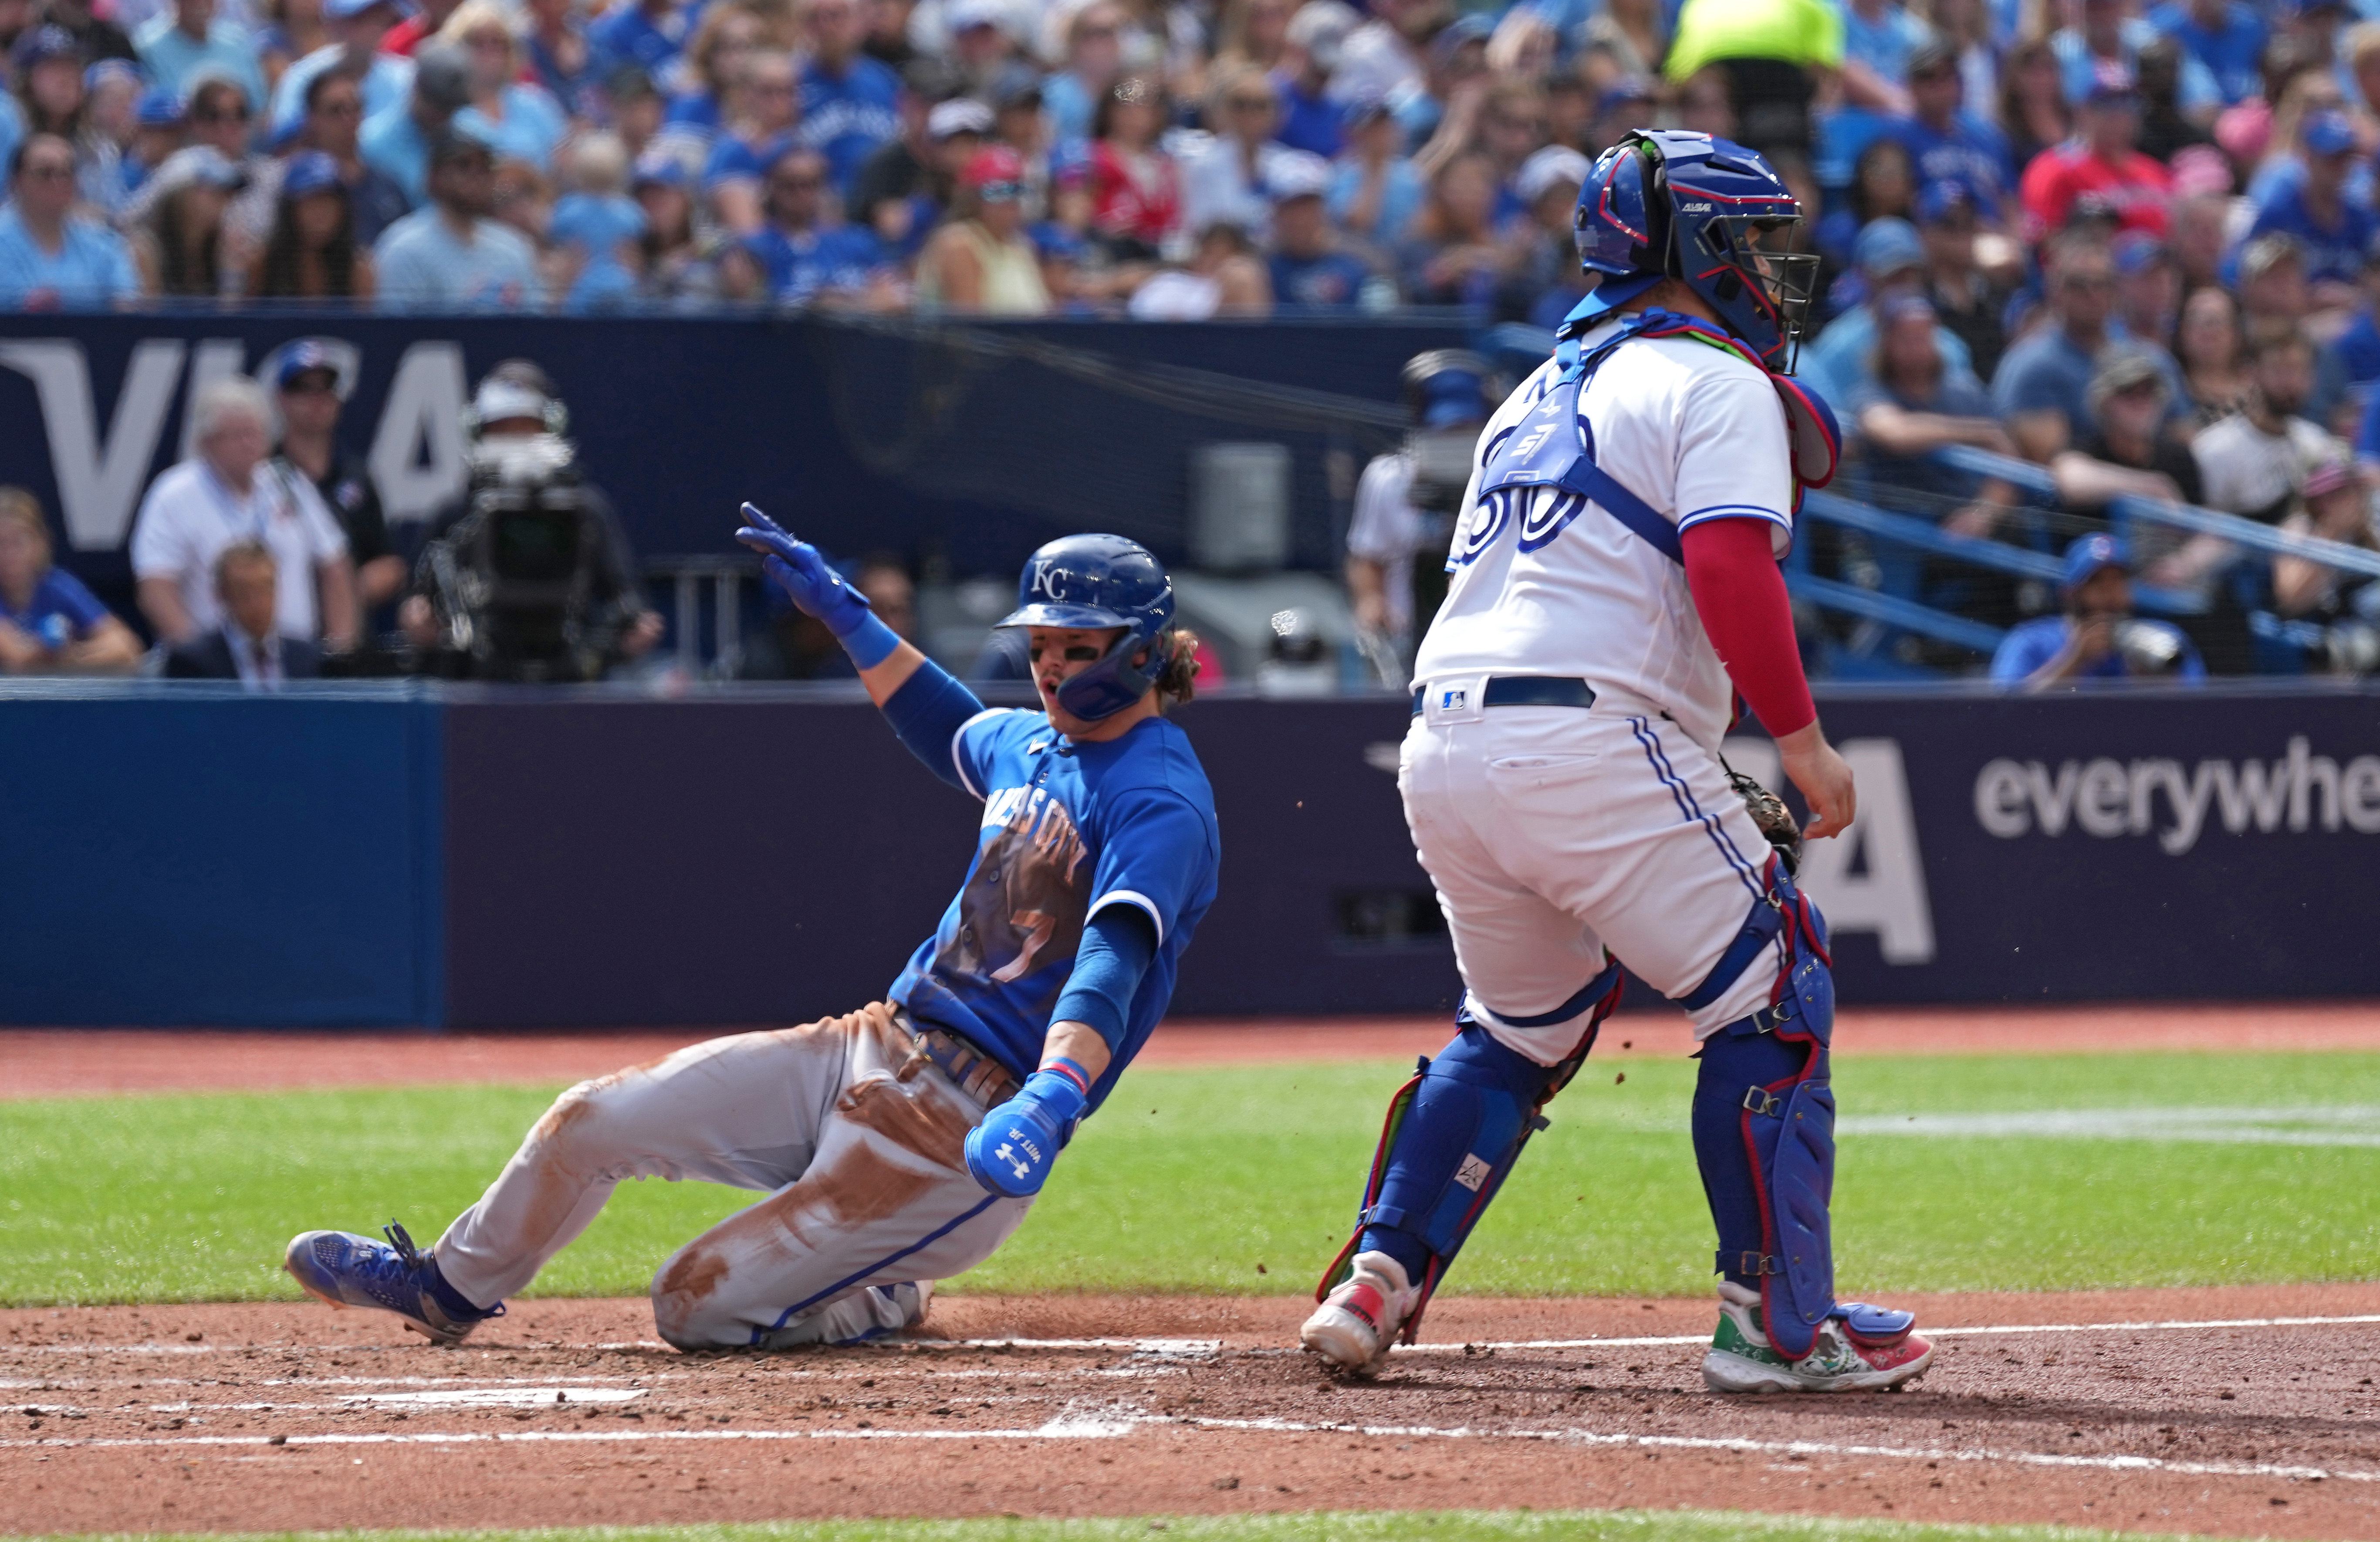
<point>857,1140</point>
<point>1555,833</point>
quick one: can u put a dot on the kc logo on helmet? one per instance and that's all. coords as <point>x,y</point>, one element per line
<point>1048,579</point>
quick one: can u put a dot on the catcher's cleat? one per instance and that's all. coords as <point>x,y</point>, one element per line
<point>1847,1357</point>
<point>344,1270</point>
<point>1354,1327</point>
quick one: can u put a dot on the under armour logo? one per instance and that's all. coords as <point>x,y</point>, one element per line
<point>1022,1169</point>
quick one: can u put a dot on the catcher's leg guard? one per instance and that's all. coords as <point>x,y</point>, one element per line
<point>1452,1135</point>
<point>1764,1127</point>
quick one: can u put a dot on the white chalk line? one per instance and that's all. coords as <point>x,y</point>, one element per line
<point>2301,1124</point>
<point>1117,1424</point>
<point>1476,1344</point>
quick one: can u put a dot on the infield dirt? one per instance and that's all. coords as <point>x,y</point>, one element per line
<point>272,1416</point>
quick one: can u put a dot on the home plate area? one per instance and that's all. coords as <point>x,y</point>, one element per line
<point>2235,1410</point>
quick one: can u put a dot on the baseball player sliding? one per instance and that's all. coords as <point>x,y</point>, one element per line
<point>903,1143</point>
<point>1614,585</point>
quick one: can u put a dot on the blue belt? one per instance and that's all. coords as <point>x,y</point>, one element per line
<point>1525,691</point>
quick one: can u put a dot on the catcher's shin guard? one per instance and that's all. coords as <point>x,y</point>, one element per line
<point>1764,1127</point>
<point>1452,1134</point>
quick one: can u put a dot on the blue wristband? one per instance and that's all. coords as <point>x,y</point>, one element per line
<point>871,641</point>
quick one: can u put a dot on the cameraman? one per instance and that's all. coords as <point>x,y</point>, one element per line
<point>1405,504</point>
<point>515,417</point>
<point>2097,638</point>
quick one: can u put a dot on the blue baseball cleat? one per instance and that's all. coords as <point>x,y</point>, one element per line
<point>345,1270</point>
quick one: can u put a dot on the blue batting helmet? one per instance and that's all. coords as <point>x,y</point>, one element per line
<point>1099,582</point>
<point>1710,213</point>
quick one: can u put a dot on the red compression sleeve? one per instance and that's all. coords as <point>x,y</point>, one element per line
<point>1741,598</point>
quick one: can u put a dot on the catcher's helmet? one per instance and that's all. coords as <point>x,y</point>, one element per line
<point>1712,214</point>
<point>1099,582</point>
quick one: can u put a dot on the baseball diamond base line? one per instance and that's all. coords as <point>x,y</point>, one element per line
<point>2231,1411</point>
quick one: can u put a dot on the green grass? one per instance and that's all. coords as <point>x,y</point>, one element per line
<point>1245,1181</point>
<point>1455,1525</point>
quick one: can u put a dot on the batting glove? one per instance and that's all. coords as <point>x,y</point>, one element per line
<point>1011,1152</point>
<point>805,574</point>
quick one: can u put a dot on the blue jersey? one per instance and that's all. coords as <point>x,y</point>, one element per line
<point>2331,252</point>
<point>801,263</point>
<point>1068,831</point>
<point>845,118</point>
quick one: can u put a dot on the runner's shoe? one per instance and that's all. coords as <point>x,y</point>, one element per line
<point>1861,1348</point>
<point>346,1269</point>
<point>1354,1325</point>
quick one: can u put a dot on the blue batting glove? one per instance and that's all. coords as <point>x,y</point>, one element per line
<point>805,574</point>
<point>1011,1152</point>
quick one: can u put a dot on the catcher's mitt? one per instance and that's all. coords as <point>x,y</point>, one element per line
<point>1769,812</point>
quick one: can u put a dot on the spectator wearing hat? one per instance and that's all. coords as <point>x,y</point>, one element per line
<point>158,134</point>
<point>1627,103</point>
<point>1055,178</point>
<point>248,645</point>
<point>1910,402</point>
<point>902,189</point>
<point>186,41</point>
<point>2332,231</point>
<point>2226,36</point>
<point>2096,637</point>
<point>632,104</point>
<point>227,492</point>
<point>2148,289</point>
<point>1062,254</point>
<point>1136,186</point>
<point>800,258</point>
<point>1310,118</point>
<point>981,43</point>
<point>49,623</point>
<point>2126,453</point>
<point>49,92</point>
<point>2041,390</point>
<point>310,386</point>
<point>1545,282</point>
<point>451,256</point>
<point>395,142</point>
<point>1891,263</point>
<point>980,262</point>
<point>649,35</point>
<point>2338,507</point>
<point>1948,144</point>
<point>2100,169</point>
<point>763,107</point>
<point>355,30</point>
<point>315,252</point>
<point>2358,349</point>
<point>98,37</point>
<point>520,121</point>
<point>1375,188</point>
<point>1967,301</point>
<point>1306,267</point>
<point>2105,40</point>
<point>333,127</point>
<point>848,101</point>
<point>218,121</point>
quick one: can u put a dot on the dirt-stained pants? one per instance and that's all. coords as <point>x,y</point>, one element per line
<point>857,1140</point>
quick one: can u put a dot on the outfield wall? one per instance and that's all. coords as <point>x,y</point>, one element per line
<point>407,854</point>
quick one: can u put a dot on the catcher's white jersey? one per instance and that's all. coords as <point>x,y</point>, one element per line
<point>1543,585</point>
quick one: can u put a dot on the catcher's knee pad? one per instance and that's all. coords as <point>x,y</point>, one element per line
<point>1764,1127</point>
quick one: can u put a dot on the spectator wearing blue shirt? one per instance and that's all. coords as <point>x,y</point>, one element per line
<point>175,46</point>
<point>2224,36</point>
<point>396,143</point>
<point>649,34</point>
<point>2358,349</point>
<point>50,258</point>
<point>451,256</point>
<point>1879,37</point>
<point>1094,64</point>
<point>764,109</point>
<point>1374,192</point>
<point>335,113</point>
<point>848,99</point>
<point>2042,388</point>
<point>354,29</point>
<point>2097,638</point>
<point>520,122</point>
<point>2108,36</point>
<point>1545,283</point>
<point>1949,144</point>
<point>800,259</point>
<point>2332,231</point>
<point>555,45</point>
<point>1310,119</point>
<point>1891,261</point>
<point>1307,268</point>
<point>49,622</point>
<point>598,225</point>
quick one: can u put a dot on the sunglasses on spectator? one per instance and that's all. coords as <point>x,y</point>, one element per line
<point>311,385</point>
<point>1925,75</point>
<point>340,106</point>
<point>49,171</point>
<point>220,114</point>
<point>1000,193</point>
<point>797,184</point>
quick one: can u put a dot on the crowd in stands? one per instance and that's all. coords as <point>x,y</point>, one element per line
<point>2131,244</point>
